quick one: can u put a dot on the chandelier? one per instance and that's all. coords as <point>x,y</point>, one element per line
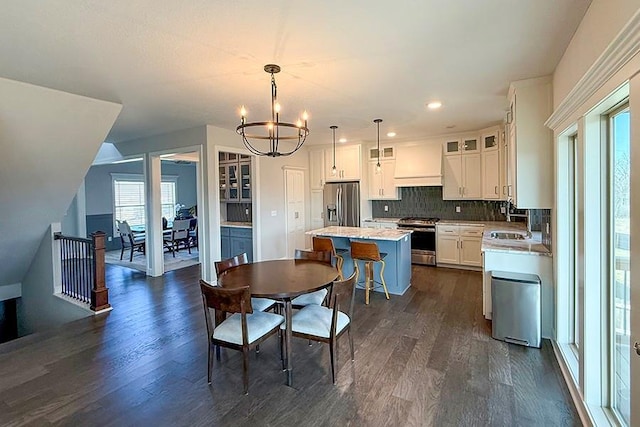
<point>267,141</point>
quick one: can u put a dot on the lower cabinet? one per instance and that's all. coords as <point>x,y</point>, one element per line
<point>459,245</point>
<point>236,240</point>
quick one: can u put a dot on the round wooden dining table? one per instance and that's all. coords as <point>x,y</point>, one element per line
<point>282,279</point>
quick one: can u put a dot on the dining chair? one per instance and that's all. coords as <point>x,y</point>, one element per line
<point>243,330</point>
<point>193,232</point>
<point>258,304</point>
<point>317,297</point>
<point>328,324</point>
<point>179,234</point>
<point>326,244</point>
<point>127,237</point>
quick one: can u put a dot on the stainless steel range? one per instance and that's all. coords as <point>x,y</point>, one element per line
<point>423,239</point>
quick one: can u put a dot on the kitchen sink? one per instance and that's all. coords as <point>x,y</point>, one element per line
<point>509,235</point>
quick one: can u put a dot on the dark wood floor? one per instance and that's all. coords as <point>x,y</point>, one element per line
<point>426,358</point>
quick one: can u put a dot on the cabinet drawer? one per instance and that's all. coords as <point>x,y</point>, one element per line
<point>448,230</point>
<point>471,231</point>
<point>241,232</point>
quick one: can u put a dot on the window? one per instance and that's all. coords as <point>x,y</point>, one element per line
<point>574,288</point>
<point>618,261</point>
<point>129,198</point>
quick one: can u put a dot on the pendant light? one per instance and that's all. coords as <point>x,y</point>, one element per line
<point>377,122</point>
<point>334,171</point>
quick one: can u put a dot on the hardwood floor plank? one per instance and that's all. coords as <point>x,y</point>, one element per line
<point>423,358</point>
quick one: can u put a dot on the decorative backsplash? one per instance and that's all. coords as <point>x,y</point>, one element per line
<point>237,212</point>
<point>427,202</point>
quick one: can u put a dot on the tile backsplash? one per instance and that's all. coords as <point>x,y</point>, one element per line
<point>427,202</point>
<point>237,212</point>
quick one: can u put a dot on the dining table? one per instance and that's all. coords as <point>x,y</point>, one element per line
<point>283,280</point>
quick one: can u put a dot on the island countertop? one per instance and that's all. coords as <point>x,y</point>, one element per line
<point>361,233</point>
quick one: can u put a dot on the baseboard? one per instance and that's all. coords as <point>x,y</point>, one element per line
<point>583,412</point>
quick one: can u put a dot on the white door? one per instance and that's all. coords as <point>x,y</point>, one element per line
<point>294,195</point>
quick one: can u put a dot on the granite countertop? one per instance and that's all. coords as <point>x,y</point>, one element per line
<point>532,245</point>
<point>236,224</point>
<point>361,233</point>
<point>382,220</point>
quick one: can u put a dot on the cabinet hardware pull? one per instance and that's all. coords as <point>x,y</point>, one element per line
<point>504,190</point>
<point>496,189</point>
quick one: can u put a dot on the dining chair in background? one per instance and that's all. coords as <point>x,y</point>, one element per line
<point>179,235</point>
<point>243,330</point>
<point>328,324</point>
<point>129,239</point>
<point>258,304</point>
<point>317,297</point>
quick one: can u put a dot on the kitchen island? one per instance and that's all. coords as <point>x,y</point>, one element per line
<point>395,243</point>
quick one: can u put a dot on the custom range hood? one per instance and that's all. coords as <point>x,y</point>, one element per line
<point>418,165</point>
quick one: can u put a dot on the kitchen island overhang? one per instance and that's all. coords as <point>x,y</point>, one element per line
<point>395,243</point>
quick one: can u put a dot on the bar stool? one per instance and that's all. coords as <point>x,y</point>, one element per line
<point>369,253</point>
<point>326,244</point>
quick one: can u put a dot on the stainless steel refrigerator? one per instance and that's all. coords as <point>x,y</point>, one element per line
<point>342,204</point>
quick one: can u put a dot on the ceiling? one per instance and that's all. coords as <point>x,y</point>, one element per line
<point>175,65</point>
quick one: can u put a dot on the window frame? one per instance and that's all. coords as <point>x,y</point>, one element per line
<point>138,178</point>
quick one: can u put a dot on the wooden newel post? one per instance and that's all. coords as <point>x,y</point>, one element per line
<point>99,293</point>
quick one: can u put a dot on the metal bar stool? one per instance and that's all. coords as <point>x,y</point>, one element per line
<point>326,244</point>
<point>369,253</point>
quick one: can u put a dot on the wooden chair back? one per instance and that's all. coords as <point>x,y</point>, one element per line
<point>225,264</point>
<point>236,300</point>
<point>342,298</point>
<point>367,251</point>
<point>322,256</point>
<point>323,244</point>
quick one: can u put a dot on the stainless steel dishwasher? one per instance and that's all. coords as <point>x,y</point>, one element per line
<point>515,302</point>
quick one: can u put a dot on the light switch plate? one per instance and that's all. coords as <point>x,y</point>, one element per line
<point>274,213</point>
<point>458,209</point>
<point>503,210</point>
<point>386,208</point>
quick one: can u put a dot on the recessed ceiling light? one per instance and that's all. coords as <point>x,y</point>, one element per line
<point>342,140</point>
<point>434,105</point>
<point>451,126</point>
<point>391,134</point>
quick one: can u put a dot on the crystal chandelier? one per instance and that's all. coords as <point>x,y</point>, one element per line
<point>273,130</point>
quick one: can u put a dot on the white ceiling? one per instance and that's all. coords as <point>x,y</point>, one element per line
<point>180,64</point>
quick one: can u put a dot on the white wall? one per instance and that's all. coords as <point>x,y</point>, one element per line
<point>39,308</point>
<point>601,23</point>
<point>48,139</point>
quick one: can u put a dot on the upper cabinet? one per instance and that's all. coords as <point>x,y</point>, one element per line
<point>385,153</point>
<point>382,184</point>
<point>462,177</point>
<point>462,169</point>
<point>530,144</point>
<point>493,166</point>
<point>490,141</point>
<point>234,175</point>
<point>316,169</point>
<point>347,161</point>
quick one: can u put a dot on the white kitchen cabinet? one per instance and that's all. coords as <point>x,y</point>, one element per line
<point>470,145</point>
<point>347,163</point>
<point>490,141</point>
<point>462,177</point>
<point>451,147</point>
<point>491,189</point>
<point>382,184</point>
<point>386,152</point>
<point>530,174</point>
<point>316,169</point>
<point>459,245</point>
